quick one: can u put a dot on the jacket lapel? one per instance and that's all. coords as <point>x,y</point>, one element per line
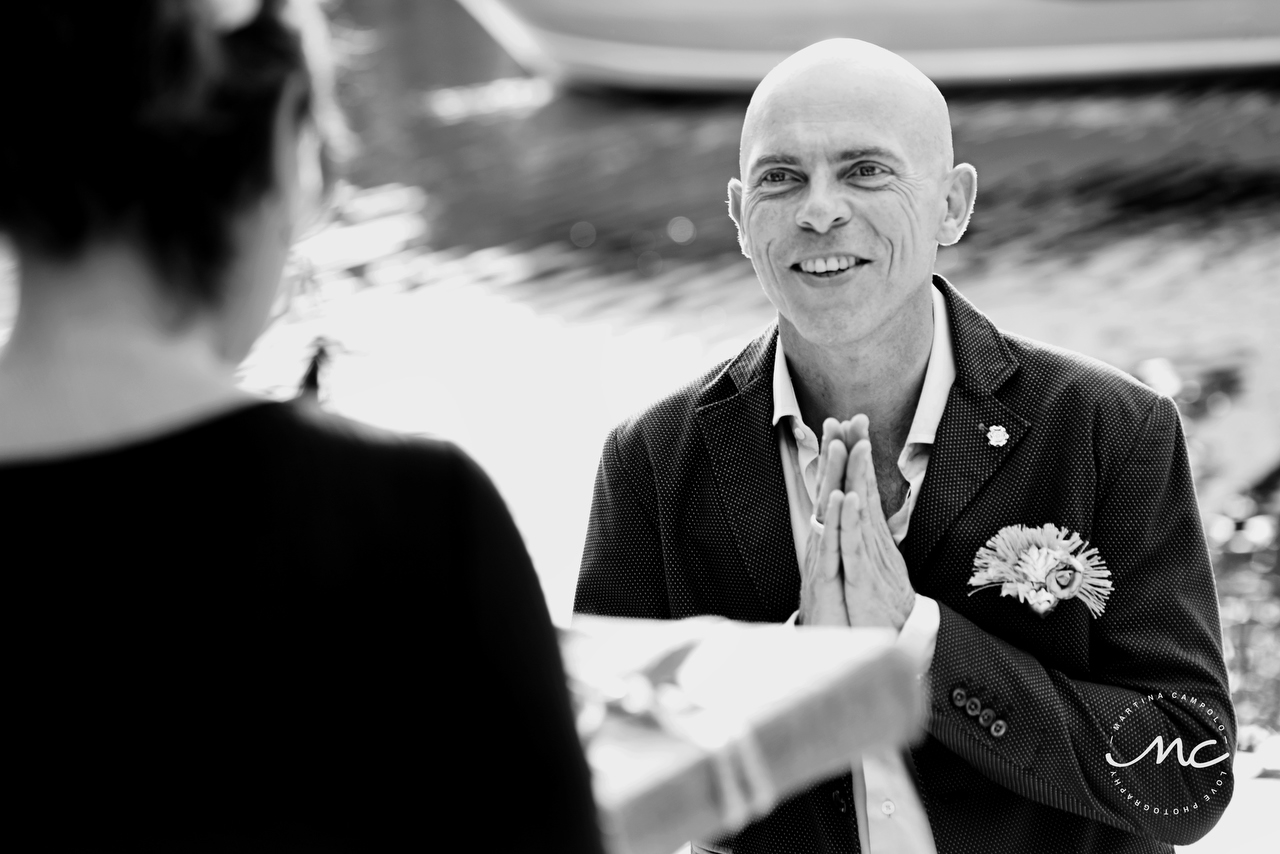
<point>963,457</point>
<point>736,417</point>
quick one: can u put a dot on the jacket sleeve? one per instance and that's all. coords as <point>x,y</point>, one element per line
<point>1156,670</point>
<point>622,571</point>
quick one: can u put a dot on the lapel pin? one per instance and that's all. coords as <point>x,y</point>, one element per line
<point>997,436</point>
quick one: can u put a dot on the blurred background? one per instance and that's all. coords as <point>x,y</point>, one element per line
<point>533,242</point>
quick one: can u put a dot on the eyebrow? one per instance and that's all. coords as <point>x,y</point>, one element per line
<point>861,153</point>
<point>844,156</point>
<point>775,160</point>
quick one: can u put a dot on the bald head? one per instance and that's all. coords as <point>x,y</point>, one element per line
<point>851,80</point>
<point>847,190</point>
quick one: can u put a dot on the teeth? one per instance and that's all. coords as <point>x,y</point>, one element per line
<point>826,265</point>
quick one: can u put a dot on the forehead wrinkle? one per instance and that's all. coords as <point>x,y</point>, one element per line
<point>854,81</point>
<point>866,151</point>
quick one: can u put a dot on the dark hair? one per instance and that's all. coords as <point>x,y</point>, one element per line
<point>140,118</point>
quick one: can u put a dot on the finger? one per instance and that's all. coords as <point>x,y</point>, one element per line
<point>870,487</point>
<point>829,545</point>
<point>830,430</point>
<point>859,458</point>
<point>860,431</point>
<point>822,594</point>
<point>846,434</point>
<point>859,428</point>
<point>860,477</point>
<point>822,475</point>
<point>832,475</point>
<point>852,546</point>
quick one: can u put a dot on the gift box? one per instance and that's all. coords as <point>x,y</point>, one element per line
<point>693,728</point>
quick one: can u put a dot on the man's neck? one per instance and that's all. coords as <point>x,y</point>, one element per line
<point>879,376</point>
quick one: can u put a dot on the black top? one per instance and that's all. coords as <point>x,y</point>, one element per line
<point>280,631</point>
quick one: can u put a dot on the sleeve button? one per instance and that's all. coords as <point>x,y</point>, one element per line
<point>999,728</point>
<point>959,697</point>
<point>973,707</point>
<point>986,718</point>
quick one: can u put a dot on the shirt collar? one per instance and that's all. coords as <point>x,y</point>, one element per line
<point>784,393</point>
<point>939,376</point>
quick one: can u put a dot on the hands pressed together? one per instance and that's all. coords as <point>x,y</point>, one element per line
<point>853,574</point>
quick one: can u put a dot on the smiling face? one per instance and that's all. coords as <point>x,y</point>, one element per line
<point>847,189</point>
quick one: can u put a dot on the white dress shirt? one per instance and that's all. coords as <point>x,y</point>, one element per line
<point>891,819</point>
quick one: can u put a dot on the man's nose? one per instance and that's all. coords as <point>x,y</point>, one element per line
<point>824,208</point>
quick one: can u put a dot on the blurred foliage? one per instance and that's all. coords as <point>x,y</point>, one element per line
<point>1243,545</point>
<point>1243,534</point>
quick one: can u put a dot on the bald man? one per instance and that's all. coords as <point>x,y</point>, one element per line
<point>1083,705</point>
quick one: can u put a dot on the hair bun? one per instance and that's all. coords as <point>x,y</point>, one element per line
<point>155,116</point>
<point>228,15</point>
<point>187,64</point>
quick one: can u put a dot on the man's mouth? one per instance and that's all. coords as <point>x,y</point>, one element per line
<point>828,266</point>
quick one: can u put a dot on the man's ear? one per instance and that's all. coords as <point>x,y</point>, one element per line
<point>962,189</point>
<point>735,213</point>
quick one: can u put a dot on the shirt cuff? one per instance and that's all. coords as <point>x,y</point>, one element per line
<point>919,634</point>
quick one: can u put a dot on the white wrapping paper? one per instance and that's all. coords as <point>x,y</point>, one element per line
<point>711,722</point>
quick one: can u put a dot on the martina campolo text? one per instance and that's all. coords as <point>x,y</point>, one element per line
<point>1135,726</point>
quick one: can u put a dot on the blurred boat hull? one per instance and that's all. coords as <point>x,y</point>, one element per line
<point>729,45</point>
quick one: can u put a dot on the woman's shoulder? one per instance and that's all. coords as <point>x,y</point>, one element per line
<point>300,435</point>
<point>270,447</point>
<point>311,429</point>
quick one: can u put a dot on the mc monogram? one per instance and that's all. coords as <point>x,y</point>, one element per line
<point>1162,753</point>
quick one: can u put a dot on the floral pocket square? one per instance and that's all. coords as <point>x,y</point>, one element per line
<point>1042,566</point>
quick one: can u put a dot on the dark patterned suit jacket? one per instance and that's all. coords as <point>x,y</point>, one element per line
<point>690,517</point>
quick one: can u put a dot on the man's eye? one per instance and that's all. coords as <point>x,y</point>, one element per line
<point>774,176</point>
<point>868,170</point>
